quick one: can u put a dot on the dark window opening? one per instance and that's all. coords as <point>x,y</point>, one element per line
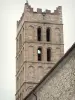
<point>48,54</point>
<point>48,34</point>
<point>20,41</point>
<point>39,34</point>
<point>39,54</point>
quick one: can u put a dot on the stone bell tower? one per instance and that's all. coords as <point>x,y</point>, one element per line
<point>39,45</point>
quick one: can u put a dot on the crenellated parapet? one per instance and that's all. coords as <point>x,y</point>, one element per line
<point>28,10</point>
<point>39,10</point>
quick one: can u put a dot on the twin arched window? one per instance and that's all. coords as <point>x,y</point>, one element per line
<point>39,52</point>
<point>47,34</point>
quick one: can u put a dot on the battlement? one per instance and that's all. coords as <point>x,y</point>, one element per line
<point>29,9</point>
<point>39,10</point>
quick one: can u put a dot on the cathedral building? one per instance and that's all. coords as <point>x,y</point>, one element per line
<point>39,45</point>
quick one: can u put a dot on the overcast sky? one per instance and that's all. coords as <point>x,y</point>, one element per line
<point>10,12</point>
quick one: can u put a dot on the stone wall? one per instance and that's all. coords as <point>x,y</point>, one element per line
<point>29,71</point>
<point>60,85</point>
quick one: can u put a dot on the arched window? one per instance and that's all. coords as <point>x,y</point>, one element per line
<point>58,35</point>
<point>31,33</point>
<point>48,54</point>
<point>39,52</point>
<point>39,34</point>
<point>48,34</point>
<point>31,73</point>
<point>40,72</point>
<point>20,41</point>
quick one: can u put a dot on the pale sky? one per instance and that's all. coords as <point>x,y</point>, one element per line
<point>10,12</point>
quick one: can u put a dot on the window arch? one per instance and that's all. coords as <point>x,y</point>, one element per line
<point>31,32</point>
<point>39,34</point>
<point>48,54</point>
<point>48,34</point>
<point>40,71</point>
<point>20,41</point>
<point>58,35</point>
<point>39,52</point>
<point>31,72</point>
